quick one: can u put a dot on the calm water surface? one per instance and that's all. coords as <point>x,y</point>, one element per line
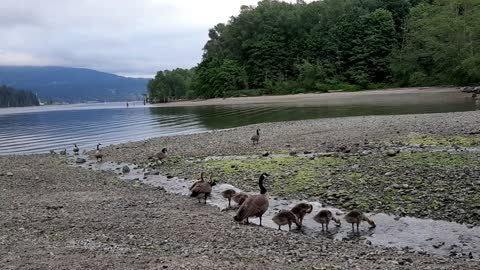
<point>40,129</point>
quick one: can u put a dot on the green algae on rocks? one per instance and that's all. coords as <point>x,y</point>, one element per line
<point>426,184</point>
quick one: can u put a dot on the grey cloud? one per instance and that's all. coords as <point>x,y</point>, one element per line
<point>120,36</point>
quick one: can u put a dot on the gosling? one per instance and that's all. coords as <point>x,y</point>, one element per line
<point>323,217</point>
<point>356,217</point>
<point>239,198</point>
<point>286,217</point>
<point>301,209</point>
<point>228,194</point>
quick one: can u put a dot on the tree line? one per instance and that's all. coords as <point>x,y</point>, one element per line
<point>284,48</point>
<point>10,97</point>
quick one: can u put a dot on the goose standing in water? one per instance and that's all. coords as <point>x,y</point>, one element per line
<point>199,181</point>
<point>301,209</point>
<point>228,194</point>
<point>285,217</point>
<point>202,187</point>
<point>98,154</point>
<point>232,195</point>
<point>356,217</point>
<point>323,217</point>
<point>76,150</point>
<point>255,205</point>
<point>255,138</point>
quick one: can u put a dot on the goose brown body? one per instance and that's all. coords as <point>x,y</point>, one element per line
<point>98,154</point>
<point>356,217</point>
<point>239,198</point>
<point>255,138</point>
<point>324,216</point>
<point>228,194</point>
<point>76,149</point>
<point>286,217</point>
<point>255,205</point>
<point>301,209</point>
<point>202,188</point>
<point>160,156</point>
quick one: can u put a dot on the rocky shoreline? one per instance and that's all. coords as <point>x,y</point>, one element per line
<point>57,216</point>
<point>356,165</point>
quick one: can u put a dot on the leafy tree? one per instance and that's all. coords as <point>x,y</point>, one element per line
<point>170,85</point>
<point>10,97</point>
<point>280,48</point>
<point>442,44</point>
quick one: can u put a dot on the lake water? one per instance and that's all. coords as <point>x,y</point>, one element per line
<point>40,129</point>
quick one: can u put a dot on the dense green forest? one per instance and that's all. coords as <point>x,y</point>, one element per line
<point>283,48</point>
<point>10,97</point>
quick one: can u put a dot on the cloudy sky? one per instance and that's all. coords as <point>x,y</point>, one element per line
<point>127,37</point>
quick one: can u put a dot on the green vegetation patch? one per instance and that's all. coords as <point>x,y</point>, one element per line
<point>417,139</point>
<point>429,184</point>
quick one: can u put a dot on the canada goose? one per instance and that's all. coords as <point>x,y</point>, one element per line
<point>228,194</point>
<point>98,154</point>
<point>356,217</point>
<point>160,156</point>
<point>255,138</point>
<point>199,181</point>
<point>255,205</point>
<point>285,217</point>
<point>63,152</point>
<point>75,149</point>
<point>202,187</point>
<point>301,209</point>
<point>324,216</point>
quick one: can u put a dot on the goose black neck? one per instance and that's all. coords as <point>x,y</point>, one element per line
<point>258,132</point>
<point>98,146</point>
<point>263,190</point>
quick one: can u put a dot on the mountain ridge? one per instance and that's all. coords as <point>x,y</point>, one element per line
<point>72,84</point>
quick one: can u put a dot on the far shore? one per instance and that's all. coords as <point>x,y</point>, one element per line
<point>317,98</point>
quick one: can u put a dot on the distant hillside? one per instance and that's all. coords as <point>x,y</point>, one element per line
<point>10,97</point>
<point>72,84</point>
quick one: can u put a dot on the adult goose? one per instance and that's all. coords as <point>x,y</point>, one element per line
<point>160,156</point>
<point>76,150</point>
<point>255,138</point>
<point>202,188</point>
<point>98,154</point>
<point>255,205</point>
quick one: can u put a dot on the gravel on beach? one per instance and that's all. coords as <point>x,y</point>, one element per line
<point>55,216</point>
<point>312,135</point>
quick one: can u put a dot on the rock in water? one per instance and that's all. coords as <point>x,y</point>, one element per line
<point>125,169</point>
<point>80,160</point>
<point>9,174</point>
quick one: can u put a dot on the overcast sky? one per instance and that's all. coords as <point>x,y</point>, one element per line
<point>127,37</point>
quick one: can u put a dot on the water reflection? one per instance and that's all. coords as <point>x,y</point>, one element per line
<point>27,130</point>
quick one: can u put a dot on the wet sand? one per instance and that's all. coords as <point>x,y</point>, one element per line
<point>317,98</point>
